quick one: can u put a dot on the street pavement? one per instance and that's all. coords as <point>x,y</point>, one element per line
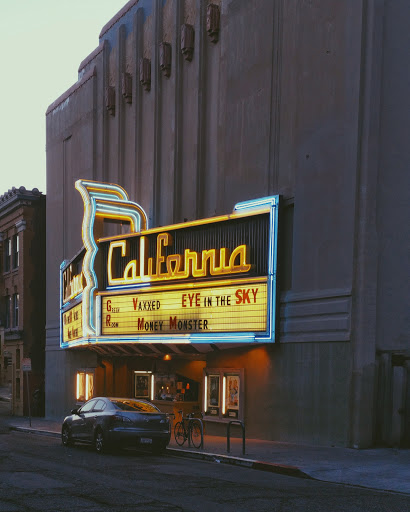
<point>386,469</point>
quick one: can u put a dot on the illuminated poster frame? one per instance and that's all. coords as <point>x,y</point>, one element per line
<point>174,275</point>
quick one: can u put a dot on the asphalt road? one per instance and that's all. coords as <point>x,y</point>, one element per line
<point>38,474</point>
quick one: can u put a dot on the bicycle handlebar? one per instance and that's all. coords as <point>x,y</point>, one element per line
<point>190,415</point>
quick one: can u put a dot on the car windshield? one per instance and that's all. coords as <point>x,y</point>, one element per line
<point>134,405</point>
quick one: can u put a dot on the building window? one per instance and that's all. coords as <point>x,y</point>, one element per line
<point>224,393</point>
<point>15,251</point>
<point>7,308</point>
<point>175,387</point>
<point>85,386</point>
<point>17,359</point>
<point>16,310</point>
<point>7,255</point>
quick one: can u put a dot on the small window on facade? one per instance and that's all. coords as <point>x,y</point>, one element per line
<point>85,386</point>
<point>15,251</point>
<point>16,310</point>
<point>7,255</point>
<point>223,393</point>
<point>7,308</point>
<point>18,359</point>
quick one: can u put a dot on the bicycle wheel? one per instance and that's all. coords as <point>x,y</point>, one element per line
<point>195,432</point>
<point>179,433</point>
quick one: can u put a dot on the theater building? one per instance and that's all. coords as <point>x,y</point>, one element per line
<point>225,183</point>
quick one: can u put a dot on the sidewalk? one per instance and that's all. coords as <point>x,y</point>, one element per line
<point>385,469</point>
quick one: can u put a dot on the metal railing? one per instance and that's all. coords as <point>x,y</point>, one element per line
<point>228,435</point>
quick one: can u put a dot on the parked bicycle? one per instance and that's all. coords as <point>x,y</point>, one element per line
<point>189,428</point>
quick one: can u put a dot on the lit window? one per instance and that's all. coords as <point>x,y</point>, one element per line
<point>85,386</point>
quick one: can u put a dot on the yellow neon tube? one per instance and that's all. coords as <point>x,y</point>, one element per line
<point>223,395</point>
<point>105,200</point>
<point>205,392</point>
<point>77,394</point>
<point>86,386</point>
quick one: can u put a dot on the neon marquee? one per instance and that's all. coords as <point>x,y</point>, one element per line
<point>206,281</point>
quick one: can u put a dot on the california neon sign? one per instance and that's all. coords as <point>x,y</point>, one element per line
<point>171,284</point>
<point>214,262</point>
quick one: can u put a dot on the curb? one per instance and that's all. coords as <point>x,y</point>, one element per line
<point>281,469</point>
<point>31,430</point>
<point>238,461</point>
<point>270,467</point>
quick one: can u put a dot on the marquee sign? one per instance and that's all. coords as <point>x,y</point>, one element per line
<point>205,281</point>
<point>72,324</point>
<point>73,280</point>
<point>211,309</point>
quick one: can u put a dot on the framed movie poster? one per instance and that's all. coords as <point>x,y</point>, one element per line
<point>224,397</point>
<point>232,392</point>
<point>142,386</point>
<point>213,398</point>
<point>214,390</point>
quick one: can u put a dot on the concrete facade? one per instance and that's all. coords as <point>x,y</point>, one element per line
<point>305,99</point>
<point>22,290</point>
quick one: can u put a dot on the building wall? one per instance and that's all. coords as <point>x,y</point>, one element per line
<point>22,213</point>
<point>393,205</point>
<point>393,241</point>
<point>294,98</point>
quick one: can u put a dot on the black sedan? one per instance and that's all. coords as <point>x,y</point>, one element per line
<point>107,422</point>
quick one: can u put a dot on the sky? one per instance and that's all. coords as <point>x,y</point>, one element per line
<point>42,44</point>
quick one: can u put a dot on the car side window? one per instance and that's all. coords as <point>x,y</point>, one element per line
<point>100,406</point>
<point>87,406</point>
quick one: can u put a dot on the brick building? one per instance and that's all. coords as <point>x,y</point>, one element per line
<point>22,291</point>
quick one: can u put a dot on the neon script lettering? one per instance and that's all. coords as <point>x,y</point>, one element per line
<point>73,285</point>
<point>213,262</point>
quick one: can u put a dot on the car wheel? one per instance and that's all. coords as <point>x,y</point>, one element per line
<point>66,436</point>
<point>158,446</point>
<point>99,441</point>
